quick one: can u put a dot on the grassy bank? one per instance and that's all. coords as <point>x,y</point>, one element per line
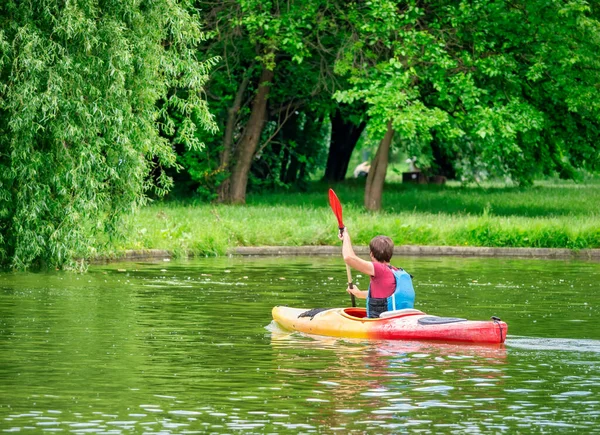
<point>548,215</point>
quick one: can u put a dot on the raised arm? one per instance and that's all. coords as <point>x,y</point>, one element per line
<point>351,259</point>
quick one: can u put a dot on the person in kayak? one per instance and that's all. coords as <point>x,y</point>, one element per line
<point>390,288</point>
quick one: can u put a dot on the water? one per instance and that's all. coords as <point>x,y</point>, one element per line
<point>189,347</point>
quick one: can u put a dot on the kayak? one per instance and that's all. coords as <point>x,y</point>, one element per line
<point>406,324</point>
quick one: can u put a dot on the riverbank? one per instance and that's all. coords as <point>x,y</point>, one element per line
<point>555,220</point>
<point>549,216</point>
<point>458,251</point>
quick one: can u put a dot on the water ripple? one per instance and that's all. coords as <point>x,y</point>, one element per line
<point>554,344</point>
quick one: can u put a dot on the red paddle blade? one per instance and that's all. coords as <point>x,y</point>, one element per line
<point>336,206</point>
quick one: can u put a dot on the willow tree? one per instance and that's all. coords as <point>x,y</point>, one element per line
<point>85,90</point>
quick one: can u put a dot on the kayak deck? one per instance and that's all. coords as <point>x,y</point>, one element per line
<point>408,324</point>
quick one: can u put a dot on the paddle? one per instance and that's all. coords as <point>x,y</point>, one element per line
<point>336,206</point>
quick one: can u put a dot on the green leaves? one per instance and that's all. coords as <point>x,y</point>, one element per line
<point>79,118</point>
<point>503,83</point>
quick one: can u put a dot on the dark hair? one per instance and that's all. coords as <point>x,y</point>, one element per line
<point>382,248</point>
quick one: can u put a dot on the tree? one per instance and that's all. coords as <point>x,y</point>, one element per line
<point>346,127</point>
<point>244,153</point>
<point>85,90</point>
<point>521,92</point>
<point>270,74</point>
<point>376,177</point>
<point>473,88</point>
<point>506,88</point>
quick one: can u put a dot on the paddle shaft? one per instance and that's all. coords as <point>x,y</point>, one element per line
<point>350,285</point>
<point>349,273</point>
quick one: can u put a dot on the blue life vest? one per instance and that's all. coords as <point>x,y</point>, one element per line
<point>403,296</point>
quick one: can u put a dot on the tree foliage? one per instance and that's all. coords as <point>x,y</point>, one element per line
<point>503,83</point>
<point>85,91</point>
<point>256,145</point>
<point>508,89</point>
<point>473,88</point>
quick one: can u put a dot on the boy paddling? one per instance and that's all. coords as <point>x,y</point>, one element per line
<point>390,288</point>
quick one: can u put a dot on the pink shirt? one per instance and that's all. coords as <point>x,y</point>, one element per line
<point>383,282</point>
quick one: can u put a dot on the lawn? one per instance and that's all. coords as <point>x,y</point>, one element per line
<point>549,215</point>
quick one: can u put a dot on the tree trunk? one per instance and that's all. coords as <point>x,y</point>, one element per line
<point>245,150</point>
<point>290,132</point>
<point>344,136</point>
<point>225,157</point>
<point>442,159</point>
<point>285,160</point>
<point>376,177</point>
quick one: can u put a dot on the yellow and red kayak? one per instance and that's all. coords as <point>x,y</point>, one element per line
<point>407,324</point>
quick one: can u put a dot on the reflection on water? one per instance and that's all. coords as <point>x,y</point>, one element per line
<point>417,385</point>
<point>189,347</point>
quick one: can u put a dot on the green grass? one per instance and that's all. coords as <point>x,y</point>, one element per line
<point>548,215</point>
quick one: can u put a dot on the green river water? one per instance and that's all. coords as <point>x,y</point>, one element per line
<point>189,347</point>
